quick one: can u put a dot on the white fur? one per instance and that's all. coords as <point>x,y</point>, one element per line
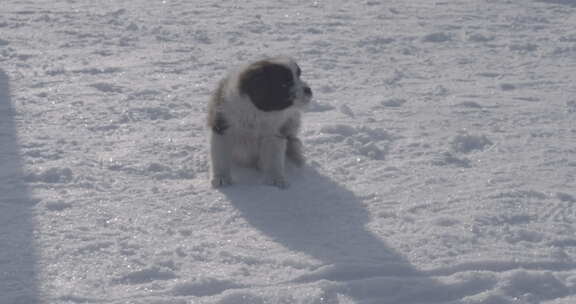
<point>252,137</point>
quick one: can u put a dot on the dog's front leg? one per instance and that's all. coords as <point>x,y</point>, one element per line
<point>220,160</point>
<point>273,154</point>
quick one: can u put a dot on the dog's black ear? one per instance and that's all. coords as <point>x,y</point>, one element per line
<point>268,85</point>
<point>216,119</point>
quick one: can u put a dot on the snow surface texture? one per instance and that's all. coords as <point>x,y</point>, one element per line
<point>442,148</point>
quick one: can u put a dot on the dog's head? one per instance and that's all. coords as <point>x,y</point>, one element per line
<point>274,84</point>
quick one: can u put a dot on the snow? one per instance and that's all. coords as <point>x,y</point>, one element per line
<point>441,147</point>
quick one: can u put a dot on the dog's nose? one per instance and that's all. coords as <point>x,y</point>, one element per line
<point>308,91</point>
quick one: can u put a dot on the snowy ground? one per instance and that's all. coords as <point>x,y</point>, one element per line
<point>442,148</point>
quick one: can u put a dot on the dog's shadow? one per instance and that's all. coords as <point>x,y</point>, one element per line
<point>321,218</point>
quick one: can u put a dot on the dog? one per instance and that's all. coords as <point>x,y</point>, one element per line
<point>254,117</point>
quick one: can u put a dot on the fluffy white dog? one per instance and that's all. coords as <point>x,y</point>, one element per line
<point>254,119</point>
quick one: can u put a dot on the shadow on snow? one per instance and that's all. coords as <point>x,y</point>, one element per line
<point>18,282</point>
<point>323,219</point>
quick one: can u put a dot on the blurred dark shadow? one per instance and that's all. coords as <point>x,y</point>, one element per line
<point>321,218</point>
<point>18,280</point>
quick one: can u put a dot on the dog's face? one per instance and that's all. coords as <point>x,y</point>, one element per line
<point>274,84</point>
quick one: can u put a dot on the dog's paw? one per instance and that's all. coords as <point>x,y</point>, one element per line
<point>219,181</point>
<point>279,182</point>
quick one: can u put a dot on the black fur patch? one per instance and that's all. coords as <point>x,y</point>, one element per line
<point>269,86</point>
<point>216,119</point>
<point>219,124</point>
